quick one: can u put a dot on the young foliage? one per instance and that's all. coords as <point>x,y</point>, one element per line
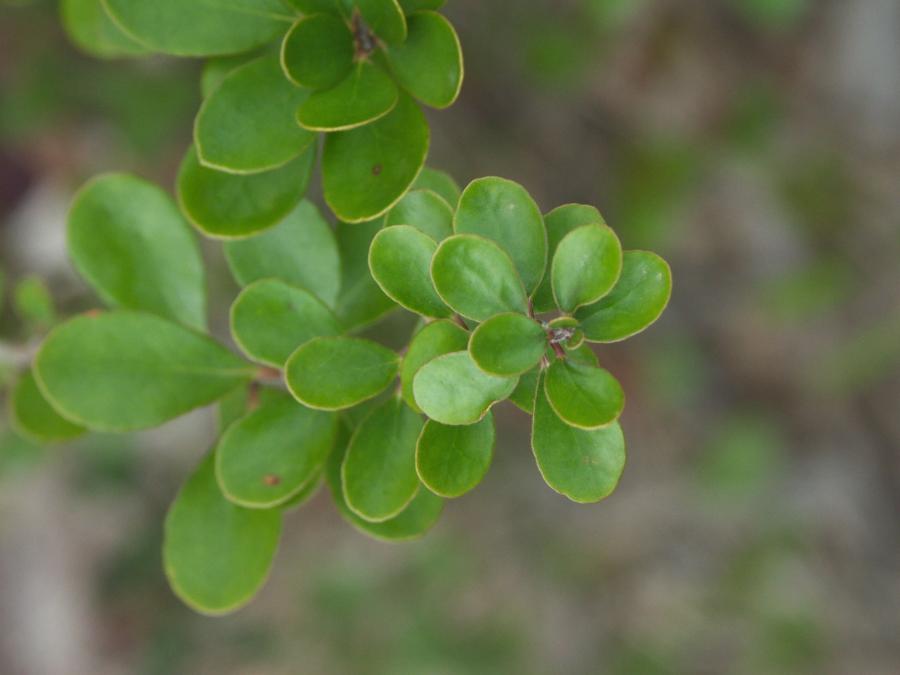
<point>506,297</point>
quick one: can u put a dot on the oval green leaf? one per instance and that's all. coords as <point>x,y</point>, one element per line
<point>361,301</point>
<point>334,373</point>
<point>229,206</point>
<point>33,417</point>
<point>586,265</point>
<point>246,125</point>
<point>216,554</point>
<point>269,456</point>
<point>379,471</point>
<point>270,319</point>
<point>385,18</point>
<point>317,51</point>
<point>429,65</point>
<point>476,278</point>
<point>301,250</point>
<point>583,465</point>
<point>441,182</point>
<point>410,6</point>
<point>560,221</point>
<point>124,371</point>
<point>199,27</point>
<point>400,261</point>
<point>217,69</point>
<point>424,210</point>
<point>508,344</point>
<point>366,94</point>
<point>128,240</point>
<point>452,390</point>
<point>366,171</point>
<point>636,301</point>
<point>435,339</point>
<point>411,523</point>
<point>90,28</point>
<point>451,461</point>
<point>504,212</point>
<point>583,395</point>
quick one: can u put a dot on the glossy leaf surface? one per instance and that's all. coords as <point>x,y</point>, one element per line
<point>301,250</point>
<point>229,206</point>
<point>508,345</point>
<point>317,51</point>
<point>451,461</point>
<point>266,458</point>
<point>337,372</point>
<point>361,300</point>
<point>385,18</point>
<point>124,371</point>
<point>440,182</point>
<point>435,339</point>
<point>379,471</point>
<point>476,278</point>
<point>424,210</point>
<point>452,390</point>
<point>364,95</point>
<point>216,554</point>
<point>504,212</point>
<point>271,318</point>
<point>93,31</point>
<point>584,396</point>
<point>33,417</point>
<point>246,125</point>
<point>429,64</point>
<point>583,465</point>
<point>200,27</point>
<point>400,262</point>
<point>128,240</point>
<point>636,301</point>
<point>365,171</point>
<point>586,265</point>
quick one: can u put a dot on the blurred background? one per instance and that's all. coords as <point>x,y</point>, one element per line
<point>753,143</point>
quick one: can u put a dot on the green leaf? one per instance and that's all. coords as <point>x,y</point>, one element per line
<point>429,65</point>
<point>317,51</point>
<point>307,492</point>
<point>452,390</point>
<point>232,407</point>
<point>361,301</point>
<point>508,345</point>
<point>270,319</point>
<point>410,6</point>
<point>413,522</point>
<point>228,206</point>
<point>246,125</point>
<point>216,554</point>
<point>451,461</point>
<point>440,182</point>
<point>123,371</point>
<point>366,171</point>
<point>363,96</point>
<point>424,210</point>
<point>583,396</point>
<point>334,373</point>
<point>435,339</point>
<point>504,212</point>
<point>526,390</point>
<point>379,471</point>
<point>400,259</point>
<point>90,28</point>
<point>315,6</point>
<point>636,301</point>
<point>301,250</point>
<point>476,278</point>
<point>33,303</point>
<point>385,18</point>
<point>586,265</point>
<point>131,244</point>
<point>560,221</point>
<point>199,27</point>
<point>269,456</point>
<point>33,417</point>
<point>217,69</point>
<point>584,466</point>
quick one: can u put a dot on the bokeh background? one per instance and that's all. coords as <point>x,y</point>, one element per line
<point>753,143</point>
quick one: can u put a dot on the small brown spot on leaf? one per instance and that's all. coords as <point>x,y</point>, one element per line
<point>376,170</point>
<point>271,480</point>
